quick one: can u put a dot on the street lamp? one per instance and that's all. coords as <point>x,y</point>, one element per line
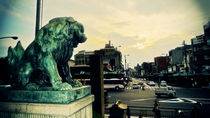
<point>12,37</point>
<point>126,61</point>
<point>119,58</point>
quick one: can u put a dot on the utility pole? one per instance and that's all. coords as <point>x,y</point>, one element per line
<point>39,12</point>
<point>126,63</point>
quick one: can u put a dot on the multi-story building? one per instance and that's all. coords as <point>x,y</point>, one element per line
<point>148,68</point>
<point>111,57</point>
<point>200,50</point>
<point>83,57</point>
<point>162,63</point>
<point>207,33</point>
<point>138,69</point>
<point>176,57</point>
<point>180,59</point>
<point>188,59</point>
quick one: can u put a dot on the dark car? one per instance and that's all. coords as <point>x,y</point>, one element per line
<point>140,83</point>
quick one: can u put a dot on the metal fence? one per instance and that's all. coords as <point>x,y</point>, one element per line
<point>164,112</point>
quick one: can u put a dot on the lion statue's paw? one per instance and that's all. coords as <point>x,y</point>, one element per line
<point>76,84</point>
<point>31,86</point>
<point>63,86</point>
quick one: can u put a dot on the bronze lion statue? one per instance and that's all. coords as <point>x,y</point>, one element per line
<point>44,63</point>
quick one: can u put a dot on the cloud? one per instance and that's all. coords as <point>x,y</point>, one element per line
<point>141,27</point>
<point>8,11</point>
<point>12,7</point>
<point>144,42</point>
<point>139,46</point>
<point>203,5</point>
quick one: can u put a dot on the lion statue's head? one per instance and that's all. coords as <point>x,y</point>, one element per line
<point>64,33</point>
<point>62,29</point>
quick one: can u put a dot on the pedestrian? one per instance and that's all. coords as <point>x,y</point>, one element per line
<point>179,113</point>
<point>143,87</point>
<point>196,110</point>
<point>156,109</point>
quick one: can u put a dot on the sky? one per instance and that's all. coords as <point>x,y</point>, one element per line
<point>142,29</point>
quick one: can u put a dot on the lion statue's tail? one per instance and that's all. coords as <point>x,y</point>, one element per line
<point>14,56</point>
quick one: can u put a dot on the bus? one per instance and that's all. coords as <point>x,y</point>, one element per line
<point>113,83</point>
<point>112,80</point>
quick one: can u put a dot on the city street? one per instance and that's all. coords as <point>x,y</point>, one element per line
<point>112,58</point>
<point>186,98</point>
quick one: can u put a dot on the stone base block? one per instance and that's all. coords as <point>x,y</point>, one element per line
<point>55,97</point>
<point>81,108</point>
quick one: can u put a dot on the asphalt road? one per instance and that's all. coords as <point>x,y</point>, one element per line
<point>186,98</point>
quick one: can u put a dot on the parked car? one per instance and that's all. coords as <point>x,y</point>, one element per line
<point>151,83</point>
<point>163,84</point>
<point>136,86</point>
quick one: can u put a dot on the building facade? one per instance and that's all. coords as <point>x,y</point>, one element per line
<point>162,63</point>
<point>111,57</point>
<point>180,59</point>
<point>188,59</point>
<point>201,51</point>
<point>176,57</point>
<point>83,57</point>
<point>148,68</point>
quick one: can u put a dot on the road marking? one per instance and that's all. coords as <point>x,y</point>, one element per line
<point>192,101</point>
<point>175,100</point>
<point>179,100</point>
<point>201,99</point>
<point>138,100</point>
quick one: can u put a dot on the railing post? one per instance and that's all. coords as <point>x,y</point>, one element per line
<point>128,112</point>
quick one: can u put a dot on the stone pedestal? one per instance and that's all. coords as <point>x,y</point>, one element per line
<point>75,103</point>
<point>44,96</point>
<point>81,108</point>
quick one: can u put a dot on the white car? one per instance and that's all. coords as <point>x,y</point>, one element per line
<point>163,84</point>
<point>151,83</point>
<point>136,86</point>
<point>168,91</point>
